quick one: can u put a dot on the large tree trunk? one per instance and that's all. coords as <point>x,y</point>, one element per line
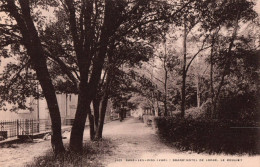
<point>183,89</point>
<point>83,57</point>
<point>86,95</point>
<point>88,87</point>
<point>35,51</point>
<point>50,96</point>
<point>83,109</point>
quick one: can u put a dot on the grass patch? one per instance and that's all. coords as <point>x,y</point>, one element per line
<point>93,153</point>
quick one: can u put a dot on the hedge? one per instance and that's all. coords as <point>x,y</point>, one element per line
<point>211,136</point>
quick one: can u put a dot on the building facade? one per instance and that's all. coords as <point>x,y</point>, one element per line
<point>39,109</point>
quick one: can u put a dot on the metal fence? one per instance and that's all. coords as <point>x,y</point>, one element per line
<point>22,127</point>
<point>14,128</point>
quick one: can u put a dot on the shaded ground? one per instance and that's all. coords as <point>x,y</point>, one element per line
<point>132,144</point>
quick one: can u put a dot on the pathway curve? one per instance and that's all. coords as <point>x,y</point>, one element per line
<point>137,145</point>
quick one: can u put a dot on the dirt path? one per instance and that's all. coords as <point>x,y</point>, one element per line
<point>133,144</point>
<point>138,145</point>
<point>18,155</point>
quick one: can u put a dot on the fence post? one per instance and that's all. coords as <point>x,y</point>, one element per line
<point>17,126</point>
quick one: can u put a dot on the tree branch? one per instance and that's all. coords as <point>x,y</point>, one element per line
<point>194,56</point>
<point>149,21</point>
<point>17,75</point>
<point>63,67</point>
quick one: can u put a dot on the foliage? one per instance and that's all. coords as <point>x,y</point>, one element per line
<point>121,90</point>
<point>240,107</point>
<point>211,136</point>
<point>242,84</point>
<point>18,78</point>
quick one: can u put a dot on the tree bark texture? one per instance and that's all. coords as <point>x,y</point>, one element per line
<point>35,51</point>
<point>83,109</point>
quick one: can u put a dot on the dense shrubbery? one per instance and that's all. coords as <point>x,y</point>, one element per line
<point>240,107</point>
<point>211,136</point>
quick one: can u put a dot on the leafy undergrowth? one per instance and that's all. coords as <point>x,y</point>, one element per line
<point>210,136</point>
<point>91,157</point>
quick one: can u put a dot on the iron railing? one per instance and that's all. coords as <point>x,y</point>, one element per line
<point>14,128</point>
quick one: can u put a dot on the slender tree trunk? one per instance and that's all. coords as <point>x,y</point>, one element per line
<point>183,90</point>
<point>96,104</point>
<point>91,126</point>
<point>198,91</point>
<point>102,116</point>
<point>106,94</point>
<point>183,94</point>
<point>212,94</point>
<point>165,79</point>
<point>35,51</point>
<point>165,96</point>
